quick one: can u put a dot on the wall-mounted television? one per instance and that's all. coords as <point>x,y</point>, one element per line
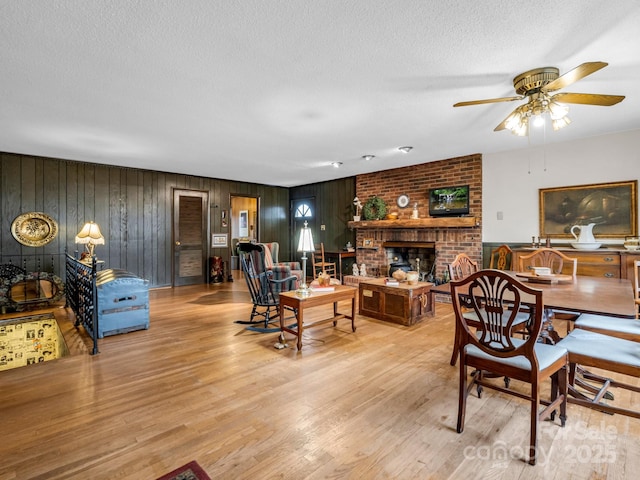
<point>449,201</point>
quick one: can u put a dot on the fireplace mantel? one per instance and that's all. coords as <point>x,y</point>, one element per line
<point>432,222</point>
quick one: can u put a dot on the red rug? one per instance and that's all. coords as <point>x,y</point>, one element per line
<point>190,471</point>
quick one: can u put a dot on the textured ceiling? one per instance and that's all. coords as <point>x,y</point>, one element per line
<point>273,91</point>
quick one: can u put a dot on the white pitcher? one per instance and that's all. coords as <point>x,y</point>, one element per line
<point>586,233</point>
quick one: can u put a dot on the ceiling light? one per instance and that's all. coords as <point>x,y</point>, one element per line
<point>538,121</point>
<point>539,105</point>
<point>368,157</point>
<point>556,110</point>
<point>336,164</point>
<point>405,149</point>
<point>559,123</point>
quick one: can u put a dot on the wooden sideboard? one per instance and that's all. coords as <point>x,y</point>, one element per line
<point>604,262</point>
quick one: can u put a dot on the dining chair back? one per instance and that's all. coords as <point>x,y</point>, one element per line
<point>558,262</point>
<point>501,258</point>
<point>320,265</point>
<point>497,299</point>
<point>554,259</point>
<point>462,266</point>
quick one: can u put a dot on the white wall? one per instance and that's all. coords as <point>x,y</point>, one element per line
<point>511,179</point>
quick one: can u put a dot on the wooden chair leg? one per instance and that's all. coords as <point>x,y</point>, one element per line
<point>454,355</point>
<point>456,350</point>
<point>535,407</point>
<point>563,385</point>
<point>555,391</point>
<point>463,391</point>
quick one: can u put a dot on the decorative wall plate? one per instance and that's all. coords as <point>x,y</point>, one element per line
<point>402,201</point>
<point>34,229</point>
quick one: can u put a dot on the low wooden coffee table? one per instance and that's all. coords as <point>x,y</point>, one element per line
<point>292,300</point>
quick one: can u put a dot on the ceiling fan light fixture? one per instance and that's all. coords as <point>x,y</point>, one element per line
<point>537,86</point>
<point>522,129</point>
<point>557,111</point>
<point>538,121</point>
<point>559,123</point>
<point>517,119</point>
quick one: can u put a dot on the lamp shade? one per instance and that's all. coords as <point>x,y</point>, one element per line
<point>90,234</point>
<point>305,244</point>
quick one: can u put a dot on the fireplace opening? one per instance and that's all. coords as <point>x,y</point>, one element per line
<point>416,256</point>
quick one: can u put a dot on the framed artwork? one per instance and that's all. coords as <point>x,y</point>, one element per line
<point>613,207</point>
<point>223,217</point>
<point>219,240</point>
<point>243,224</point>
<point>367,243</point>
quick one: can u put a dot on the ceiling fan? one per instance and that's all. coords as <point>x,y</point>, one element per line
<point>537,86</point>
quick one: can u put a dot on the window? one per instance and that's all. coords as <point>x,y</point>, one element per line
<point>303,211</point>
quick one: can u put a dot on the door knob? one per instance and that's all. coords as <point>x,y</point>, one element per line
<point>178,243</point>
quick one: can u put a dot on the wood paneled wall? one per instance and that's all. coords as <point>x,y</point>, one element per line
<point>334,205</point>
<point>132,206</point>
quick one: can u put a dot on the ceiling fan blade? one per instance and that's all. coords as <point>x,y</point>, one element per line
<point>574,75</point>
<point>490,100</point>
<point>588,98</point>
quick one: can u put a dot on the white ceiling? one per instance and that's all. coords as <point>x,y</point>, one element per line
<point>273,91</point>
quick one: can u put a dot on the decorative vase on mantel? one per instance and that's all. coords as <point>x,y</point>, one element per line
<point>356,218</point>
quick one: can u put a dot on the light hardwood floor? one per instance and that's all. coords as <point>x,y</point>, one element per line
<point>380,403</point>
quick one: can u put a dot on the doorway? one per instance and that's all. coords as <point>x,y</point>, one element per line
<point>190,236</point>
<point>244,220</point>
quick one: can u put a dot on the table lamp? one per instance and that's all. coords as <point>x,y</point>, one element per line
<point>305,245</point>
<point>90,236</point>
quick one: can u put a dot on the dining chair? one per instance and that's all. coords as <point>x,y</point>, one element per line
<point>625,328</point>
<point>320,265</point>
<point>496,298</point>
<point>556,261</point>
<point>501,258</point>
<point>548,257</point>
<point>461,267</point>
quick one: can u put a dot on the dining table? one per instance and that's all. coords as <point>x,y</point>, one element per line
<point>581,294</point>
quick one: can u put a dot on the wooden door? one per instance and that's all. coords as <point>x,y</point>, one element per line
<point>190,233</point>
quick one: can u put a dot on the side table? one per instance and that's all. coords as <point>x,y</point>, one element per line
<point>299,304</point>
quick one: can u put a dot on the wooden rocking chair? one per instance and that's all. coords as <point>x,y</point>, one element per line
<point>264,287</point>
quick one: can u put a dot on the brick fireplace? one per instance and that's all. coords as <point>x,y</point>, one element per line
<point>415,181</point>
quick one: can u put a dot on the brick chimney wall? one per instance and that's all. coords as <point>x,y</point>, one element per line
<point>415,181</point>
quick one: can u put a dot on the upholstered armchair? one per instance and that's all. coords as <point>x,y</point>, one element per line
<point>280,269</point>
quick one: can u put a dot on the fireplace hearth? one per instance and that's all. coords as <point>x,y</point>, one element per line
<point>416,256</point>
